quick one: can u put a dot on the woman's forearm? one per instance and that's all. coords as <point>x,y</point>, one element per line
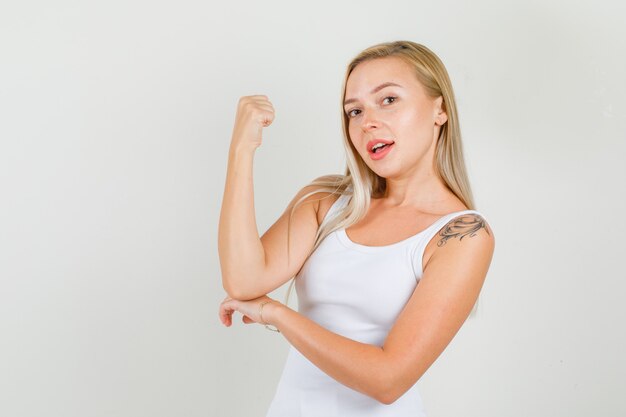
<point>357,365</point>
<point>241,252</point>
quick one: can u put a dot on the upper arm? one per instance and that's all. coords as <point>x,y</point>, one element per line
<point>439,305</point>
<point>279,268</point>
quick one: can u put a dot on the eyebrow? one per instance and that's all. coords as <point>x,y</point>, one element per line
<point>375,90</point>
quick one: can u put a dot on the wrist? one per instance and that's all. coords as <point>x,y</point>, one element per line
<point>272,312</point>
<point>238,150</point>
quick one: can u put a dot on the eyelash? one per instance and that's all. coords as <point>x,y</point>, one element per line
<point>351,110</point>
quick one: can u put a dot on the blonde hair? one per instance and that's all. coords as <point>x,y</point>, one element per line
<point>359,180</point>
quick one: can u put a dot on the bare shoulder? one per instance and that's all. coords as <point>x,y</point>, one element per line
<point>468,233</point>
<point>466,226</point>
<point>442,301</point>
<point>325,202</point>
<point>320,201</point>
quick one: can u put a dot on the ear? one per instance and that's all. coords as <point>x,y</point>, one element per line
<point>440,111</point>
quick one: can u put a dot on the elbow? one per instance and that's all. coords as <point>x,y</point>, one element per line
<point>389,396</point>
<point>239,293</point>
<point>386,392</point>
<point>391,391</point>
<point>226,284</point>
<point>386,398</point>
<point>235,293</point>
<point>242,283</point>
<point>383,389</point>
<point>232,294</point>
<point>232,291</point>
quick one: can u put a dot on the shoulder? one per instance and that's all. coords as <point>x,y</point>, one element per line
<point>314,196</point>
<point>327,199</point>
<point>308,192</point>
<point>466,226</point>
<point>467,236</point>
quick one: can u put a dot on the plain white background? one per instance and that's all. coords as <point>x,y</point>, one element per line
<point>115,121</point>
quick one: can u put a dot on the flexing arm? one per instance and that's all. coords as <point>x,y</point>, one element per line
<point>431,318</point>
<point>253,266</point>
<point>241,253</point>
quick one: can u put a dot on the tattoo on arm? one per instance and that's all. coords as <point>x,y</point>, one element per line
<point>463,226</point>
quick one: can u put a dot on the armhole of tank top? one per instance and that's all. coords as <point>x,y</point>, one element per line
<point>417,251</point>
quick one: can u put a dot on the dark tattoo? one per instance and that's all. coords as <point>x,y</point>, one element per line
<point>463,226</point>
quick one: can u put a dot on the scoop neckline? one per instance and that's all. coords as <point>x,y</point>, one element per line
<point>345,239</point>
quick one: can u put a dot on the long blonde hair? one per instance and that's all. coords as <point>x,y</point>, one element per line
<point>359,180</point>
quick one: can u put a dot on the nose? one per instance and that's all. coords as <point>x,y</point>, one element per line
<point>369,120</point>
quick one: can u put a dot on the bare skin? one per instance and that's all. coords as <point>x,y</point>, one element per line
<point>384,226</point>
<point>455,261</point>
<point>416,197</point>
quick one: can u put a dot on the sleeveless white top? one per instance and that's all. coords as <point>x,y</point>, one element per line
<point>356,291</point>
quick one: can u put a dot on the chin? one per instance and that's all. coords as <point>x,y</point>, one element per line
<point>386,173</point>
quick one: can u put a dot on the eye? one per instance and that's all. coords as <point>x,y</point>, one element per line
<point>349,112</point>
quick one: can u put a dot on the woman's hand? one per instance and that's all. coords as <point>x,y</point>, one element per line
<point>249,309</point>
<point>253,114</point>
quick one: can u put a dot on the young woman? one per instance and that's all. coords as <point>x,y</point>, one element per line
<point>388,259</point>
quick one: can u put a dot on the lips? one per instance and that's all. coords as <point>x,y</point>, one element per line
<point>373,142</point>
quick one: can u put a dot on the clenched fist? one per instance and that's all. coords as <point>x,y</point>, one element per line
<point>253,114</point>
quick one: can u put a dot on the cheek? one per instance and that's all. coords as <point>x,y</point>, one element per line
<point>413,126</point>
<point>354,136</point>
<point>410,119</point>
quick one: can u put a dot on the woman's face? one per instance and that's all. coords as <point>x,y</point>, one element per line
<point>385,102</point>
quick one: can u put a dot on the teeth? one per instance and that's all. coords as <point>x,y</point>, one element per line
<point>378,145</point>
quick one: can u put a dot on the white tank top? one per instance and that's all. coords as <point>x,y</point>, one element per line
<point>356,291</point>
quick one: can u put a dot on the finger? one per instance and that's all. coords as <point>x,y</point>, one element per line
<point>226,315</point>
<point>266,114</point>
<point>268,119</point>
<point>258,98</point>
<point>220,314</point>
<point>265,105</point>
<point>223,317</point>
<point>222,307</point>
